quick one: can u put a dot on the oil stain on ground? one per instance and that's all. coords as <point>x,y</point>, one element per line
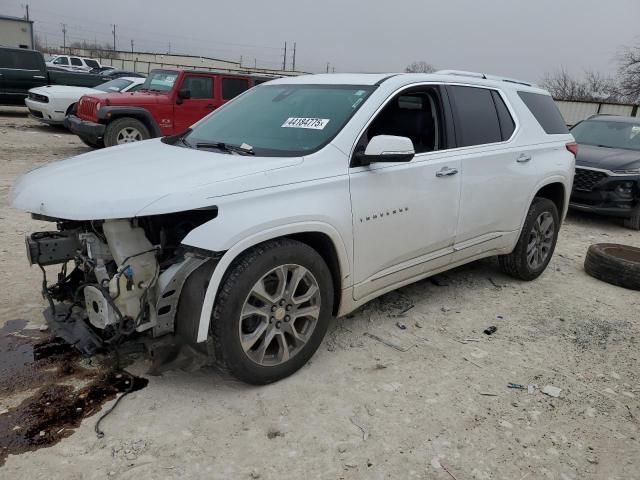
<point>49,373</point>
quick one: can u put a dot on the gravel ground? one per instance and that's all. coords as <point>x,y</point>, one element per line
<point>432,406</point>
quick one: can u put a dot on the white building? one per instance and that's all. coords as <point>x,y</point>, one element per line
<point>16,32</point>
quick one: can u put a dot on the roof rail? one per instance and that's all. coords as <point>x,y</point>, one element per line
<point>463,73</point>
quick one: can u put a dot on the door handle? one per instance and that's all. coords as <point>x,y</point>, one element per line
<point>523,158</point>
<point>446,172</point>
<point>38,76</point>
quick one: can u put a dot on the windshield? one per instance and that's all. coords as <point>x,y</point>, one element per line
<point>114,85</point>
<point>609,134</point>
<point>282,120</point>
<point>160,81</point>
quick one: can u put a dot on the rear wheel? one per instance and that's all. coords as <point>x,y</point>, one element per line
<point>125,130</point>
<point>272,311</point>
<point>536,244</point>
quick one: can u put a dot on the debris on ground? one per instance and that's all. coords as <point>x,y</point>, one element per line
<point>551,391</point>
<point>396,346</point>
<point>531,389</point>
<point>488,394</point>
<point>517,386</point>
<point>358,423</point>
<point>401,326</point>
<point>490,330</point>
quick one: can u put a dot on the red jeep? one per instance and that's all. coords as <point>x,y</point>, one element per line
<point>169,102</point>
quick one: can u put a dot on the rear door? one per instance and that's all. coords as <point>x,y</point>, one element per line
<point>201,102</point>
<point>496,173</point>
<point>231,87</point>
<point>21,70</point>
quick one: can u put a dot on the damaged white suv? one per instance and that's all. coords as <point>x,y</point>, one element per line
<point>300,199</point>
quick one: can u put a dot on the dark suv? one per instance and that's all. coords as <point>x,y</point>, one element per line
<point>607,179</point>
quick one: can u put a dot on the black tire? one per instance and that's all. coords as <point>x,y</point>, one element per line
<point>515,264</point>
<point>242,275</point>
<point>633,222</point>
<point>615,264</point>
<point>120,125</point>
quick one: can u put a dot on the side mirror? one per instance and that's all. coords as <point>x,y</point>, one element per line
<point>184,94</point>
<point>387,148</point>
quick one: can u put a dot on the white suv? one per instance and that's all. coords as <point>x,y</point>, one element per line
<point>300,199</point>
<point>70,62</point>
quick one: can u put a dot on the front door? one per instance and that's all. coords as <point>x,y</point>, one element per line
<point>405,214</point>
<point>199,104</point>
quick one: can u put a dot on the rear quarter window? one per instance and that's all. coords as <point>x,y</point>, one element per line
<point>546,112</point>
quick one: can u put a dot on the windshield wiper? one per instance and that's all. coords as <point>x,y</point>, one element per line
<point>243,149</point>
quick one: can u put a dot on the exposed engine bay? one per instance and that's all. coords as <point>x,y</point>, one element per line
<point>118,278</point>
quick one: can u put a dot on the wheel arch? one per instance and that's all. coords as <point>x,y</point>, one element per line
<point>322,237</point>
<point>554,191</point>
<point>107,114</point>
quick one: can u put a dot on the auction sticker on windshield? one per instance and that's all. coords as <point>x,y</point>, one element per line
<point>312,123</point>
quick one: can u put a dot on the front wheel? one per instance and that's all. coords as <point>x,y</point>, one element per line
<point>536,244</point>
<point>633,222</point>
<point>125,130</point>
<point>272,311</point>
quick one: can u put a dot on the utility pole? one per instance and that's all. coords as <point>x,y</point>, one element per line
<point>255,62</point>
<point>293,67</point>
<point>114,37</point>
<point>240,61</point>
<point>284,58</point>
<point>327,67</point>
<point>64,37</point>
<point>132,45</point>
<point>33,45</point>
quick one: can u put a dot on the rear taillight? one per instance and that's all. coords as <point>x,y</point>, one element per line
<point>573,148</point>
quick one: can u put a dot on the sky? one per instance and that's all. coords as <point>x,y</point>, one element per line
<point>515,38</point>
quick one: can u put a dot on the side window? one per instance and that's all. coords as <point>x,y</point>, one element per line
<point>91,63</point>
<point>415,114</point>
<point>25,60</point>
<point>546,112</point>
<point>76,62</point>
<point>507,125</point>
<point>61,61</point>
<point>135,87</point>
<point>200,87</point>
<point>475,115</point>
<point>232,87</point>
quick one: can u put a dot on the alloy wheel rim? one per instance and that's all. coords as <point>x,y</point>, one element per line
<point>540,240</point>
<point>279,315</point>
<point>128,135</point>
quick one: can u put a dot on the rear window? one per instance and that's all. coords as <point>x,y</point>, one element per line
<point>546,112</point>
<point>75,61</point>
<point>232,87</point>
<point>476,118</point>
<point>24,59</point>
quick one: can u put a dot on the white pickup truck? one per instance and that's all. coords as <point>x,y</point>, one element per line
<point>301,199</point>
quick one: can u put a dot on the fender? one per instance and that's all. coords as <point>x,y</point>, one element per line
<point>548,181</point>
<point>109,112</point>
<point>241,246</point>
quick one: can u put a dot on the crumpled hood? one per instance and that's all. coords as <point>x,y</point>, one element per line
<point>607,158</point>
<point>119,182</point>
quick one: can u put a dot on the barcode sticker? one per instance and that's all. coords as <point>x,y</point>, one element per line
<point>312,123</point>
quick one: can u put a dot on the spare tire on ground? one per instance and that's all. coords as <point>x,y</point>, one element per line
<point>615,264</point>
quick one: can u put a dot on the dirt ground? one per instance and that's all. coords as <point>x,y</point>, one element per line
<point>422,403</point>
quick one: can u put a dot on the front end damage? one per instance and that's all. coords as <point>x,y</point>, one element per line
<point>119,280</point>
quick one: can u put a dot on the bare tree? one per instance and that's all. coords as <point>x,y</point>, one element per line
<point>592,87</point>
<point>629,74</point>
<point>420,67</point>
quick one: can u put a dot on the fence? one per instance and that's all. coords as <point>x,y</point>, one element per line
<point>144,62</point>
<point>576,111</point>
